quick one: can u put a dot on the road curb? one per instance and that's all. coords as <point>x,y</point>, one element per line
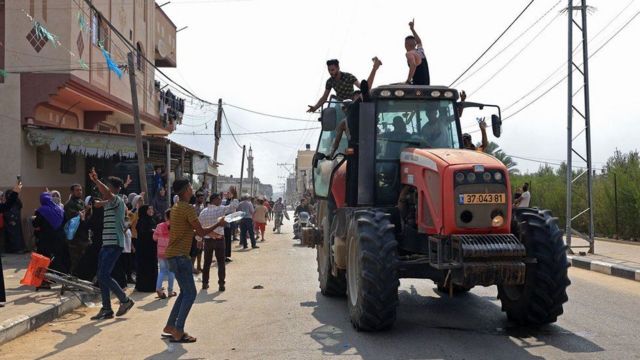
<point>603,267</point>
<point>22,324</point>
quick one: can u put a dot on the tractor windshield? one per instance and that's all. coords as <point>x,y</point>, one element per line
<point>415,123</point>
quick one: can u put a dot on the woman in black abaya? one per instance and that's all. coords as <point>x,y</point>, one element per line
<point>147,251</point>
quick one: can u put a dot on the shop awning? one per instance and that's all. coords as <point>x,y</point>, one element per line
<point>101,145</point>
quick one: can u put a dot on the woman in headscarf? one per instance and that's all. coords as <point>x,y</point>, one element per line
<point>136,202</point>
<point>129,201</point>
<point>160,205</point>
<point>49,233</point>
<point>88,264</point>
<point>57,198</point>
<point>146,251</point>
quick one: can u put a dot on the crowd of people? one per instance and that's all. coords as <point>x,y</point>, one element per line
<point>115,240</point>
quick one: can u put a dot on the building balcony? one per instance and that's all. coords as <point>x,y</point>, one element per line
<point>165,46</point>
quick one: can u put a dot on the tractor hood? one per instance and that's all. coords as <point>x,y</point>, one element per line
<point>446,157</point>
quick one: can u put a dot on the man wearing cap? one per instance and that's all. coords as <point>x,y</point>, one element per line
<point>214,242</point>
<point>184,222</point>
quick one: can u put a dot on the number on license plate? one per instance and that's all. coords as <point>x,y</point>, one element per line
<point>471,199</point>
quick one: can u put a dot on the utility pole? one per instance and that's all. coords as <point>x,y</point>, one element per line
<point>217,130</point>
<point>244,147</point>
<point>138,128</point>
<point>584,133</point>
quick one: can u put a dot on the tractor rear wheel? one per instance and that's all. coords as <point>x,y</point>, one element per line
<point>372,275</point>
<point>539,301</point>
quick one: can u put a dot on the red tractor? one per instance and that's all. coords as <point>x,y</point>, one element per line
<point>398,197</point>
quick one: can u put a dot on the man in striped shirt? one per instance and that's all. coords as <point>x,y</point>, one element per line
<point>112,244</point>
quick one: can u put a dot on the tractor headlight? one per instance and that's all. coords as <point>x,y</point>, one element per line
<point>448,94</point>
<point>399,93</point>
<point>385,93</point>
<point>460,177</point>
<point>486,176</point>
<point>497,221</point>
<point>497,176</point>
<point>435,93</point>
<point>471,177</point>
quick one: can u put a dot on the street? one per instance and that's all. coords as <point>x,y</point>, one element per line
<point>289,319</point>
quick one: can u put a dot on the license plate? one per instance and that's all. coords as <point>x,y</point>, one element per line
<point>475,199</point>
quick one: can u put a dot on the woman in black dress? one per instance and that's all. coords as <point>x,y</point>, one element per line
<point>49,233</point>
<point>147,251</point>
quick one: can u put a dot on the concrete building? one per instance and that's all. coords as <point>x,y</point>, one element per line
<point>224,182</point>
<point>63,110</point>
<point>304,168</point>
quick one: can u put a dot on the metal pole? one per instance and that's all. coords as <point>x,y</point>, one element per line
<point>217,130</point>
<point>138,128</point>
<point>168,171</point>
<point>615,200</point>
<point>244,147</point>
<point>587,115</point>
<point>569,122</point>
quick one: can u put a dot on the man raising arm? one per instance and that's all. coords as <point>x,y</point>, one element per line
<point>416,59</point>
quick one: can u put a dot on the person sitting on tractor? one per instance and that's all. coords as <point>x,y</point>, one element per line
<point>396,138</point>
<point>467,143</point>
<point>417,60</point>
<point>342,82</point>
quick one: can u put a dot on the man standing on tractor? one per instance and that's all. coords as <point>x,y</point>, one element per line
<point>417,60</point>
<point>342,82</point>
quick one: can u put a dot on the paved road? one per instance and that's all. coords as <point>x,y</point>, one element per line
<point>289,319</point>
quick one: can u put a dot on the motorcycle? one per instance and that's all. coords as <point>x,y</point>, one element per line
<point>302,220</point>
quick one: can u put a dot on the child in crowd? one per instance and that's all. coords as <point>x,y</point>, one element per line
<point>260,218</point>
<point>161,236</point>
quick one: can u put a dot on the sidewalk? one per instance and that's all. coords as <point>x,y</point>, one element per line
<point>26,309</point>
<point>612,257</point>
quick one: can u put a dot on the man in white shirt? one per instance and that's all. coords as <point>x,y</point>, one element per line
<point>525,199</point>
<point>214,242</point>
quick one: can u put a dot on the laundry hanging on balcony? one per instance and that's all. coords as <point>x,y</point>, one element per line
<point>84,143</point>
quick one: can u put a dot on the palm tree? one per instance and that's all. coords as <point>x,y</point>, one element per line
<point>494,149</point>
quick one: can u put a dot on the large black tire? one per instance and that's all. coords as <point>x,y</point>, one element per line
<point>329,285</point>
<point>372,274</point>
<point>539,301</point>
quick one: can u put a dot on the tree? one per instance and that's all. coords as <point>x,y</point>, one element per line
<point>494,150</point>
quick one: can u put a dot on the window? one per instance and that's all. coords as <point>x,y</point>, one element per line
<point>322,172</point>
<point>415,123</point>
<point>44,10</point>
<point>139,57</point>
<point>68,163</point>
<point>99,31</point>
<point>40,157</point>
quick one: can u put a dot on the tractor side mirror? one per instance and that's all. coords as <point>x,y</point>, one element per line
<point>316,158</point>
<point>496,125</point>
<point>329,119</point>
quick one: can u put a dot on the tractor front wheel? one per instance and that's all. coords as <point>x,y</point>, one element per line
<point>372,275</point>
<point>539,301</point>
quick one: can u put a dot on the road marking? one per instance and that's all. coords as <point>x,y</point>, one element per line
<point>601,267</point>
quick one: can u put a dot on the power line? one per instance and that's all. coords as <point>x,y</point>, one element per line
<point>492,44</point>
<point>252,133</point>
<point>516,55</point>
<point>511,43</point>
<point>564,77</point>
<point>224,115</point>
<point>267,115</point>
